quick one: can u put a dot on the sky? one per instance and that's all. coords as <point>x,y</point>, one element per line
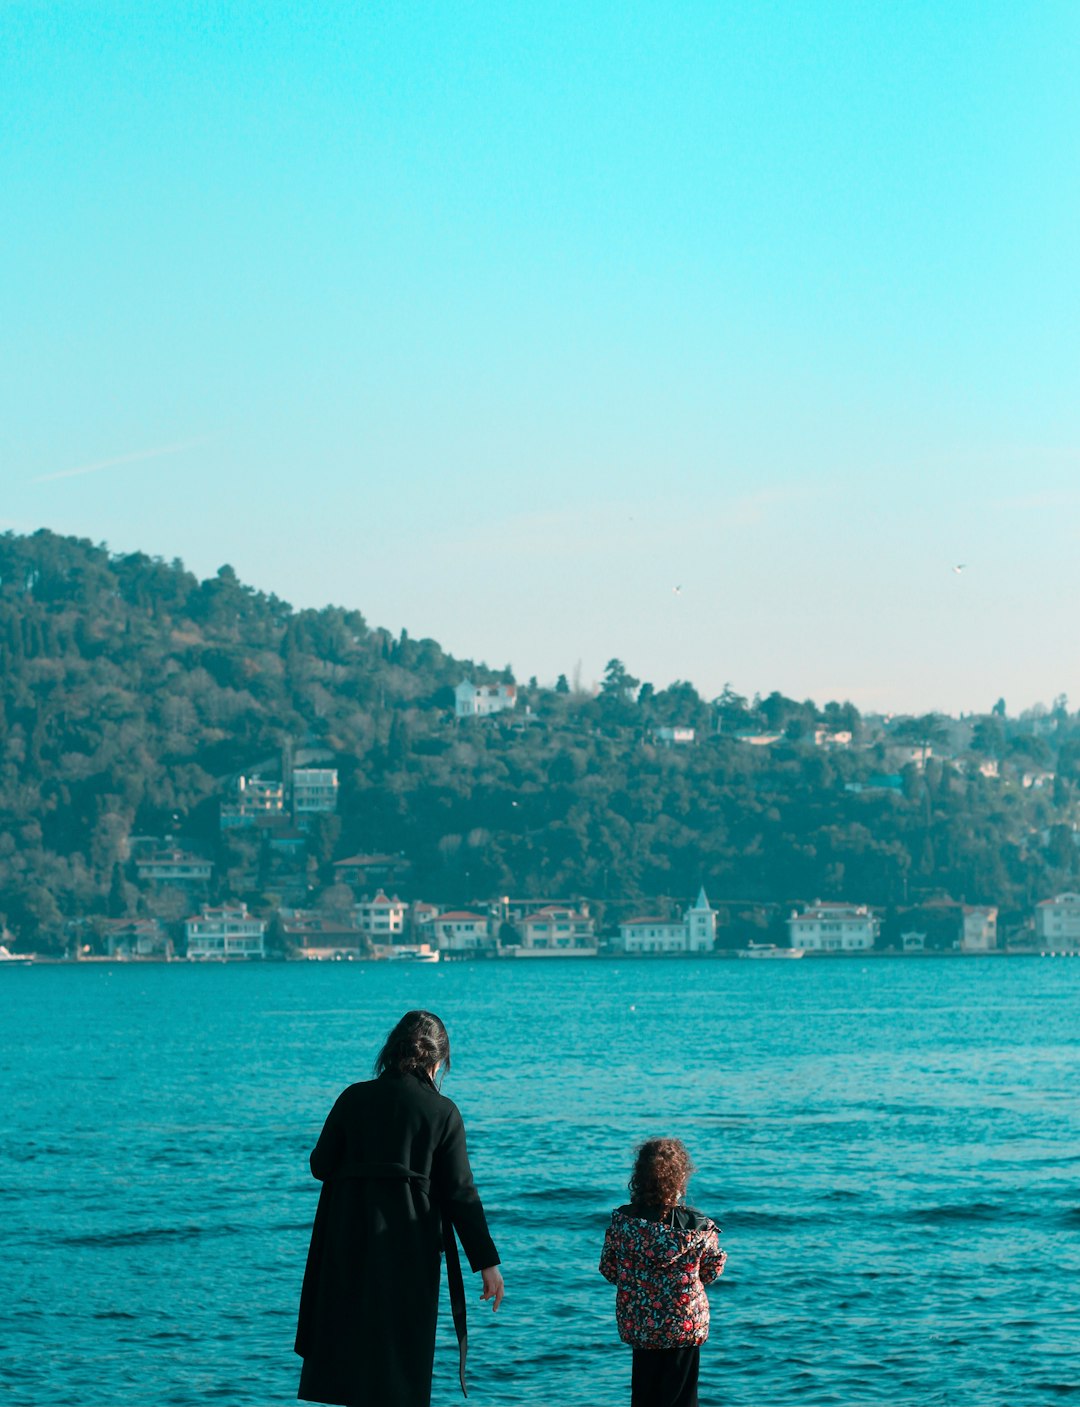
<point>712,337</point>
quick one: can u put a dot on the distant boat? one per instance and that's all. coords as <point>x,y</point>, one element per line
<point>412,955</point>
<point>770,950</point>
<point>10,959</point>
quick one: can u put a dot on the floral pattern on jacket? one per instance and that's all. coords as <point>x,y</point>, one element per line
<point>660,1272</point>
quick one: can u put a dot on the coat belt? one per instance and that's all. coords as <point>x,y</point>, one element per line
<point>398,1172</point>
<point>391,1172</point>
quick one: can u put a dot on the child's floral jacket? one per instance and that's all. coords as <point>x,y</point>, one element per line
<point>660,1270</point>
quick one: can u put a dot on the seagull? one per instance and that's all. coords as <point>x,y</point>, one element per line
<point>960,567</point>
<point>677,590</point>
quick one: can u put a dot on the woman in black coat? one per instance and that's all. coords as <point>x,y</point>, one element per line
<point>396,1186</point>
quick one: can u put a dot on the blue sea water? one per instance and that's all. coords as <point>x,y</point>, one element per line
<point>891,1147</point>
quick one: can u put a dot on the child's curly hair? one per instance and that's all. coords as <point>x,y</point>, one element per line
<point>661,1171</point>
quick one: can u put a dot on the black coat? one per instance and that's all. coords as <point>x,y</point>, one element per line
<point>392,1161</point>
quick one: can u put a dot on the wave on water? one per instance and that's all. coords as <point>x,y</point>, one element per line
<point>146,1235</point>
<point>773,1221</point>
<point>564,1196</point>
<point>965,1211</point>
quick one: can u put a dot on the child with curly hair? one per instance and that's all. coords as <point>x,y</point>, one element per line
<point>660,1255</point>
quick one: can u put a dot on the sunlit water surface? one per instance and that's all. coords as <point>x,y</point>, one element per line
<point>891,1147</point>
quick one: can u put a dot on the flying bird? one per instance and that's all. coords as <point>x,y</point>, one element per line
<point>676,590</point>
<point>960,567</point>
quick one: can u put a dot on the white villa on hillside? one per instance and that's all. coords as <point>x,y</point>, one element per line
<point>174,867</point>
<point>253,799</point>
<point>477,700</point>
<point>314,790</point>
<point>695,932</point>
<point>225,932</point>
<point>674,737</point>
<point>1057,923</point>
<point>833,928</point>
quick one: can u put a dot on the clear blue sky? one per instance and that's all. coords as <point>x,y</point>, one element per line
<point>499,322</point>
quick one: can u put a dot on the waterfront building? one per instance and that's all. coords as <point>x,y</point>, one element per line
<point>556,931</point>
<point>457,931</point>
<point>913,942</point>
<point>700,920</point>
<point>135,938</point>
<point>318,935</point>
<point>314,790</point>
<point>695,932</point>
<point>225,932</point>
<point>979,929</point>
<point>1057,923</point>
<point>638,936</point>
<point>381,920</point>
<point>478,700</point>
<point>833,928</point>
<point>421,914</point>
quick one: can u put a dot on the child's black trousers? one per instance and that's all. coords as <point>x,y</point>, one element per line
<point>664,1377</point>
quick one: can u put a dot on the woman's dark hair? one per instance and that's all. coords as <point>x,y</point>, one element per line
<point>661,1171</point>
<point>416,1044</point>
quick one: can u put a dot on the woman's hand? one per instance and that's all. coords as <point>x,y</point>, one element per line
<point>493,1285</point>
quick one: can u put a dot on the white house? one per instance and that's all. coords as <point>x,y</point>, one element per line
<point>1038,779</point>
<point>694,933</point>
<point>225,932</point>
<point>1057,923</point>
<point>700,921</point>
<point>457,931</point>
<point>674,737</point>
<point>832,737</point>
<point>314,790</point>
<point>174,867</point>
<point>382,920</point>
<point>833,928</point>
<point>979,932</point>
<point>556,931</point>
<point>651,935</point>
<point>477,700</point>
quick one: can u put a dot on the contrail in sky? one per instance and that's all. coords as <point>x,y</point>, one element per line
<point>138,455</point>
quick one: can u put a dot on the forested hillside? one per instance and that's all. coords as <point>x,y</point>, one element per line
<point>133,694</point>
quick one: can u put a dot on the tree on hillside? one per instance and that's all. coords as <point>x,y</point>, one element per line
<point>617,682</point>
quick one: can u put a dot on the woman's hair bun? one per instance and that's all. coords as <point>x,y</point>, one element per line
<point>416,1045</point>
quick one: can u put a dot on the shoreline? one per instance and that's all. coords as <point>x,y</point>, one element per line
<point>25,960</point>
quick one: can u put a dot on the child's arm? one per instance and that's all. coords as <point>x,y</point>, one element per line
<point>712,1257</point>
<point>608,1267</point>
